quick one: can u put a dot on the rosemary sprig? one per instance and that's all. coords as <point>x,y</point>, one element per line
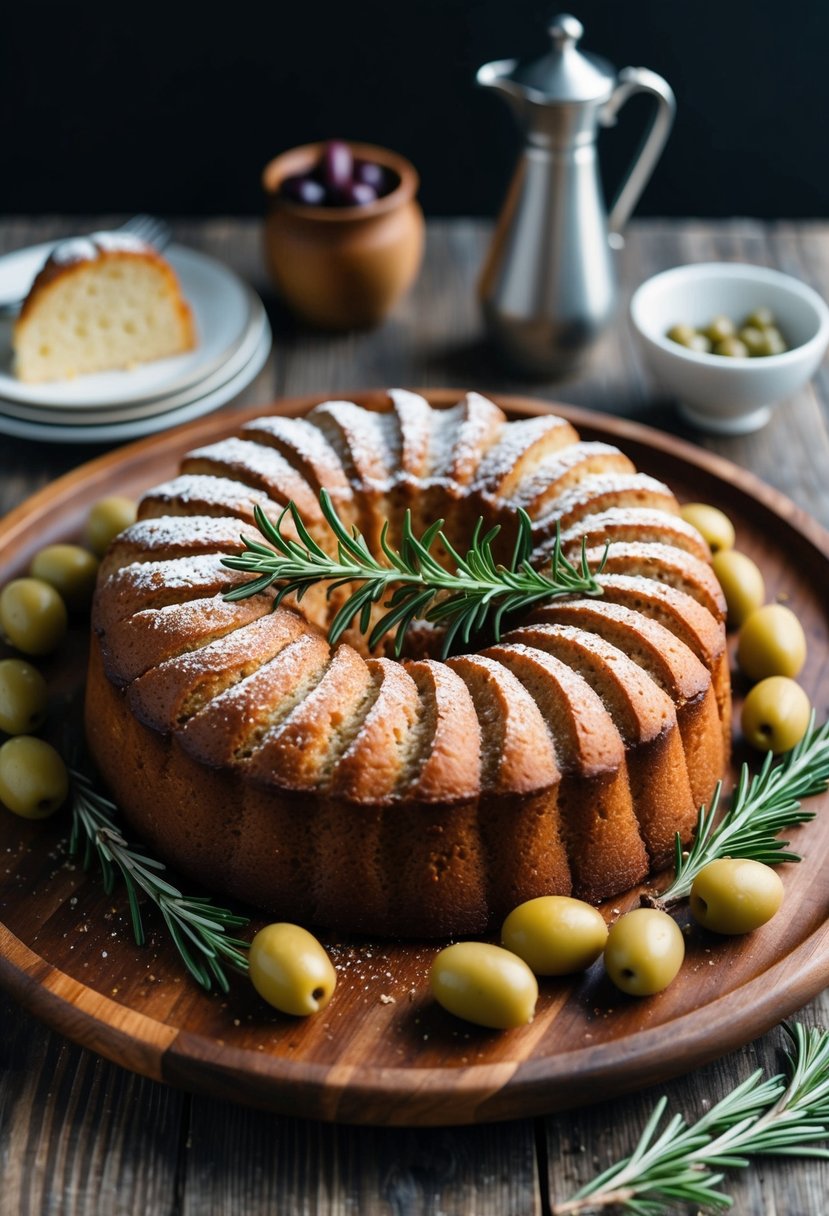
<point>761,806</point>
<point>478,591</point>
<point>198,927</point>
<point>777,1116</point>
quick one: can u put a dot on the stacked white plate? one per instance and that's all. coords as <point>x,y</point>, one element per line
<point>234,341</point>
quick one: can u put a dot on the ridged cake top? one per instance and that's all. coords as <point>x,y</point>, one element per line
<point>265,694</point>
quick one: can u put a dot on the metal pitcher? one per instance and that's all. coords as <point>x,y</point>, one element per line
<point>548,287</point>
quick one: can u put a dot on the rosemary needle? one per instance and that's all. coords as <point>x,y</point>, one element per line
<point>478,592</point>
<point>761,807</point>
<point>197,927</point>
<point>777,1116</point>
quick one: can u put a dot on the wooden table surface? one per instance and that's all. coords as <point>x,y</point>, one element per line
<point>79,1135</point>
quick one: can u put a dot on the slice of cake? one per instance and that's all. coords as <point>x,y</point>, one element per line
<point>100,303</point>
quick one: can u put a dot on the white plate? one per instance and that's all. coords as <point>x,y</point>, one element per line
<point>221,307</point>
<point>119,432</point>
<point>156,405</point>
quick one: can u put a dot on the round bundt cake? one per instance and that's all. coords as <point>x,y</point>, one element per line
<point>335,787</point>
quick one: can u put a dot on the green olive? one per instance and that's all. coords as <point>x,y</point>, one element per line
<point>291,970</point>
<point>731,348</point>
<point>484,984</point>
<point>701,344</point>
<point>33,778</point>
<point>734,895</point>
<point>775,714</point>
<point>771,643</point>
<point>32,615</point>
<point>683,334</point>
<point>773,342</point>
<point>106,519</point>
<point>720,329</point>
<point>742,584</point>
<point>761,318</point>
<point>712,524</point>
<point>644,951</point>
<point>23,696</point>
<point>753,339</point>
<point>555,935</point>
<point>70,569</point>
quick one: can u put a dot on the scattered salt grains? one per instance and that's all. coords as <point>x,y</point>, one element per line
<point>385,999</point>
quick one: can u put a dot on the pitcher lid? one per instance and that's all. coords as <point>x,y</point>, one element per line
<point>565,73</point>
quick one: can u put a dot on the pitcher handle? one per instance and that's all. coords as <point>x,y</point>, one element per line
<point>638,80</point>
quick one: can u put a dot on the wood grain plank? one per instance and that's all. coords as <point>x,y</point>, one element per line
<point>270,1164</point>
<point>77,1134</point>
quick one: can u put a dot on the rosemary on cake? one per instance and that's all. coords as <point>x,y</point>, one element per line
<point>198,927</point>
<point>479,592</point>
<point>782,1116</point>
<point>761,807</point>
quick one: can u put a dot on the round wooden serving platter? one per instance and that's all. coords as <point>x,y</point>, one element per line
<point>383,1052</point>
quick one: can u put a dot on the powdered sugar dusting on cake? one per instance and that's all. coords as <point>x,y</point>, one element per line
<point>279,478</point>
<point>646,521</point>
<point>194,571</point>
<point>252,640</point>
<point>307,446</point>
<point>200,489</point>
<point>413,417</point>
<point>171,531</point>
<point>463,438</point>
<point>76,249</point>
<point>600,485</point>
<point>366,442</point>
<point>89,248</point>
<point>521,448</point>
<point>549,475</point>
<point>641,515</point>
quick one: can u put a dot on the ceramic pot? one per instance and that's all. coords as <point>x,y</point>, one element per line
<point>342,267</point>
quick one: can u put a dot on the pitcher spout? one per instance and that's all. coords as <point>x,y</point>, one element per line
<point>497,76</point>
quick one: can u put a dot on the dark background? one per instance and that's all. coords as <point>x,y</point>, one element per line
<point>175,110</point>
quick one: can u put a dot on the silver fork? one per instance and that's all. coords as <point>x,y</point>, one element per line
<point>147,228</point>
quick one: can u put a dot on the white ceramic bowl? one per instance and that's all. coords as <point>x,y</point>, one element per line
<point>725,395</point>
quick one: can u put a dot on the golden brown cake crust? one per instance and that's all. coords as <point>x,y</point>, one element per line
<point>413,798</point>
